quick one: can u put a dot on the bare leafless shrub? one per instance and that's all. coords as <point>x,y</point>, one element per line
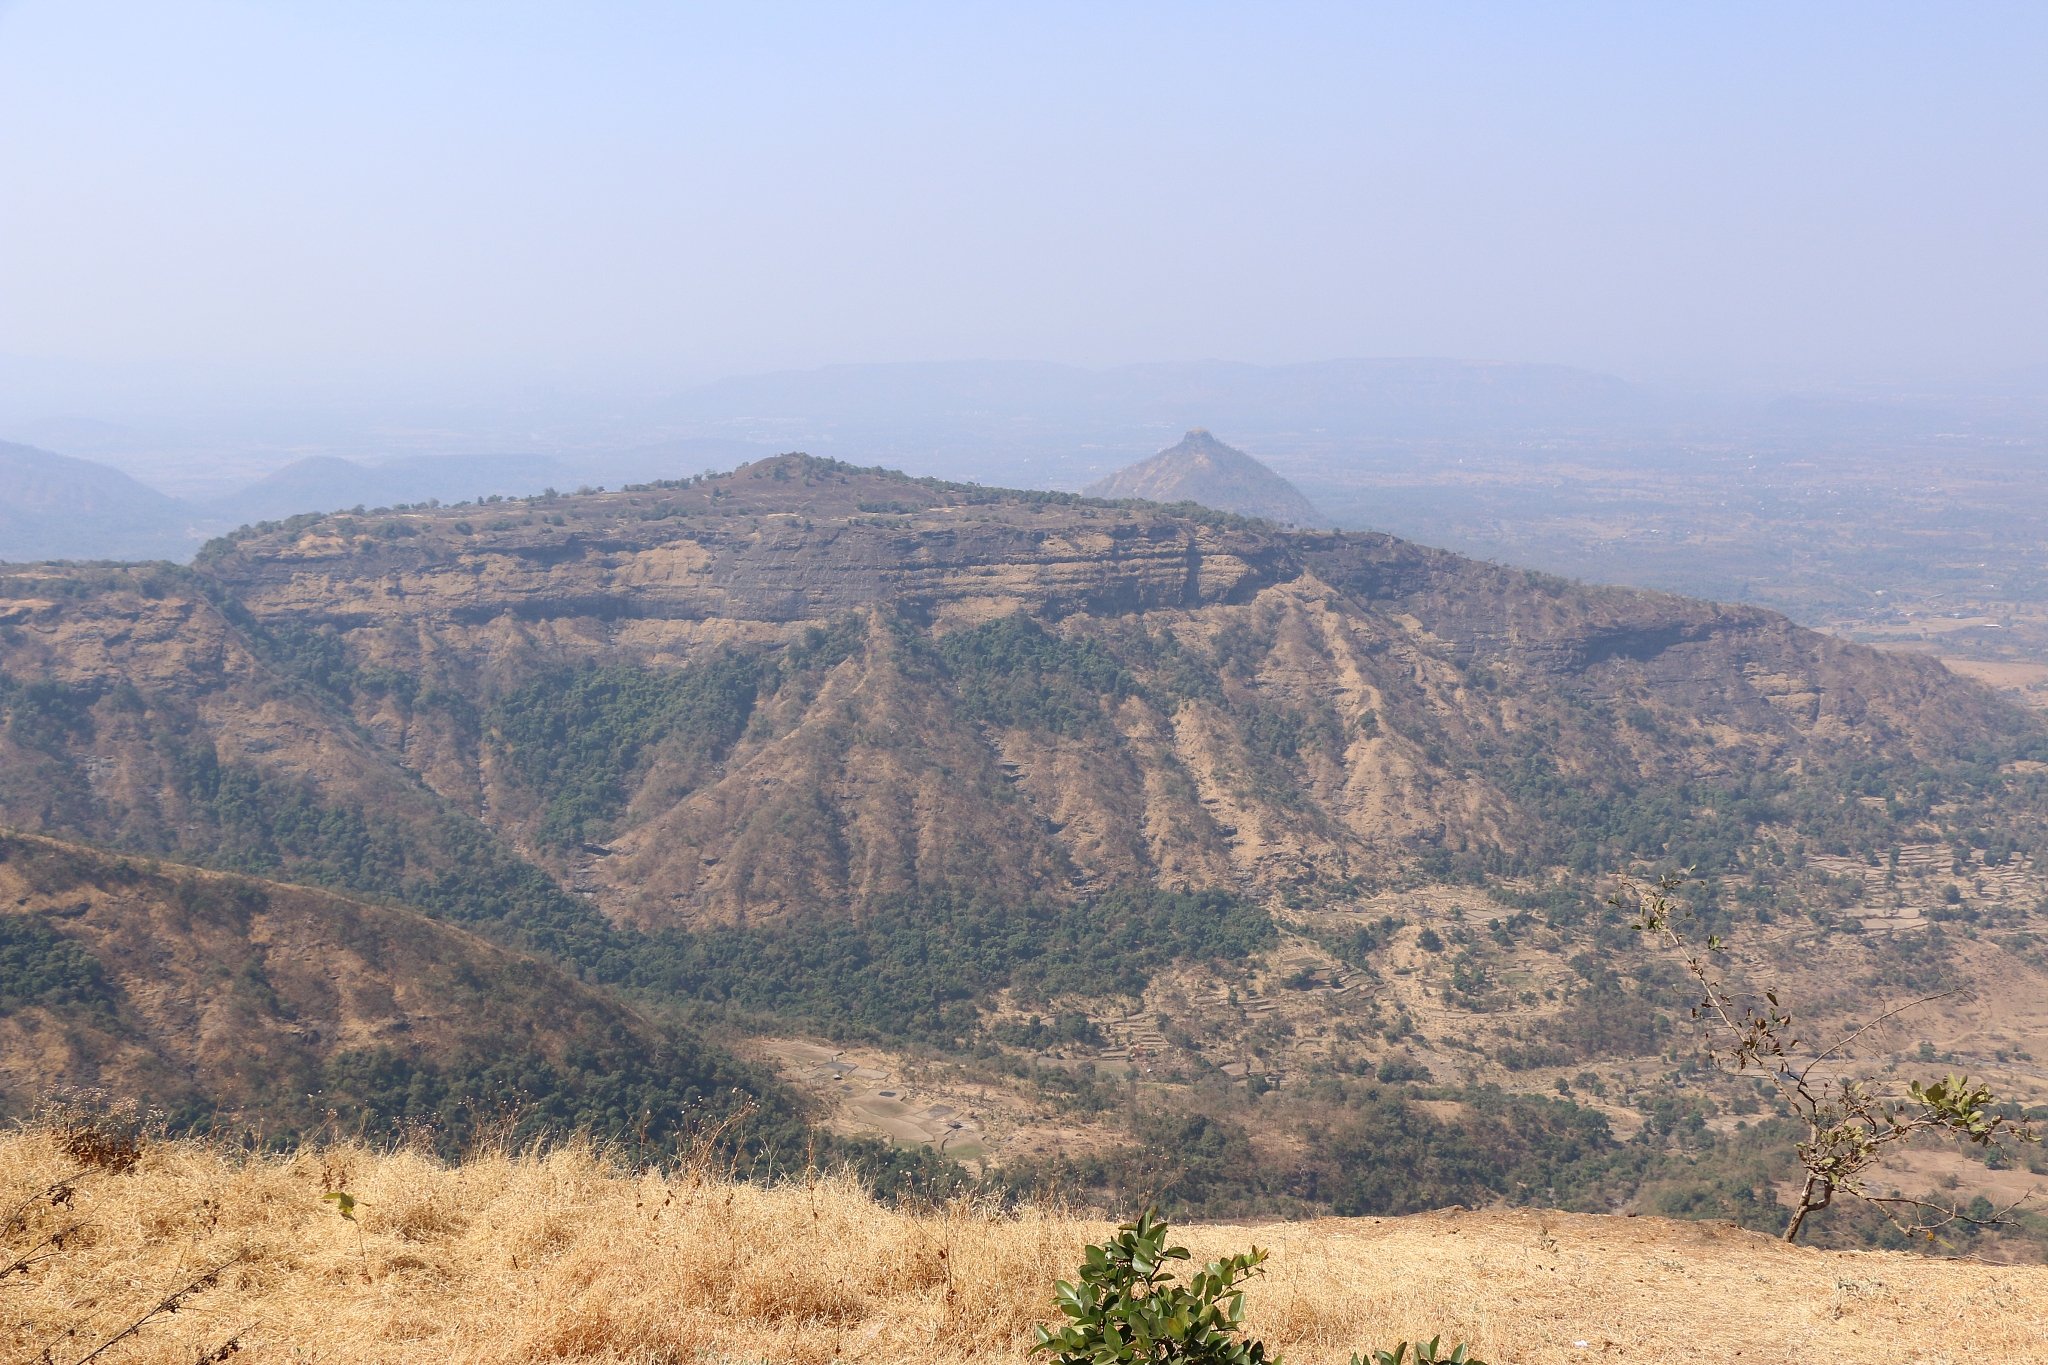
<point>95,1129</point>
<point>1852,1125</point>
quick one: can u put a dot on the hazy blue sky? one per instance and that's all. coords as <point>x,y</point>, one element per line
<point>646,194</point>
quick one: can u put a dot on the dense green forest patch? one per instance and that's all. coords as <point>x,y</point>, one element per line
<point>918,969</point>
<point>39,966</point>
<point>578,737</point>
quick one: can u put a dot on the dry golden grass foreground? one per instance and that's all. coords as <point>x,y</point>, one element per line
<point>564,1256</point>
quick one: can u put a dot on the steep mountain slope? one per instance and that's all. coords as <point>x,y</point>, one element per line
<point>1066,789</point>
<point>1093,692</point>
<point>1204,470</point>
<point>224,998</point>
<point>817,687</point>
<point>140,714</point>
<point>55,507</point>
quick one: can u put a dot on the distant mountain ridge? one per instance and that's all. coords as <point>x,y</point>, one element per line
<point>55,507</point>
<point>1202,469</point>
<point>1040,425</point>
<point>58,507</point>
<point>327,483</point>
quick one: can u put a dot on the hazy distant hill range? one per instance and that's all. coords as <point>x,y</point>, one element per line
<point>55,507</point>
<point>1033,780</point>
<point>1046,425</point>
<point>324,483</point>
<point>1202,469</point>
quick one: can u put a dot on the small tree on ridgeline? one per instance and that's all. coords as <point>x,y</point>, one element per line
<point>1851,1125</point>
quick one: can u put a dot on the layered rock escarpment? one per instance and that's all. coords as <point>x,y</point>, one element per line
<point>766,562</point>
<point>664,571</point>
<point>1032,695</point>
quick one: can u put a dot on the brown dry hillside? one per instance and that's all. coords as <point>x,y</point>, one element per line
<point>1128,815</point>
<point>1203,702</point>
<point>234,1001</point>
<point>564,1256</point>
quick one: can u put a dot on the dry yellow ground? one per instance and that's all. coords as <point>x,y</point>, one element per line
<point>564,1256</point>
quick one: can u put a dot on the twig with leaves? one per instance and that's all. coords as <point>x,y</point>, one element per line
<point>345,1205</point>
<point>1850,1127</point>
<point>1425,1353</point>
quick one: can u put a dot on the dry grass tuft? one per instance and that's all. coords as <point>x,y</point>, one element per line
<point>563,1255</point>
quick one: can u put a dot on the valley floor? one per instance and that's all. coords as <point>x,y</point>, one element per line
<point>565,1255</point>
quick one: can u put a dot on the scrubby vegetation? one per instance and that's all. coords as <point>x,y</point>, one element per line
<point>39,966</point>
<point>918,969</point>
<point>1013,673</point>
<point>201,1250</point>
<point>1290,892</point>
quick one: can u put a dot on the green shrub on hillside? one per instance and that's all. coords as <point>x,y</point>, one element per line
<point>619,1089</point>
<point>1390,1157</point>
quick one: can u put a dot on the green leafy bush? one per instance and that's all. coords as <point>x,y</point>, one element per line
<point>1127,1307</point>
<point>1396,1071</point>
<point>1044,1033</point>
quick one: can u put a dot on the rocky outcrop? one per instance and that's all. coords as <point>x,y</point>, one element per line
<point>766,564</point>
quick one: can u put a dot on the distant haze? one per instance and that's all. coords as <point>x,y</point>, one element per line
<point>434,219</point>
<point>1455,452</point>
<point>1449,270</point>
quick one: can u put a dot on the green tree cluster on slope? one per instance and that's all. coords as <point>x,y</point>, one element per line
<point>579,737</point>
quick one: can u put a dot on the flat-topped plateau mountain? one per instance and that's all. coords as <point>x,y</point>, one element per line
<point>1082,798</point>
<point>949,686</point>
